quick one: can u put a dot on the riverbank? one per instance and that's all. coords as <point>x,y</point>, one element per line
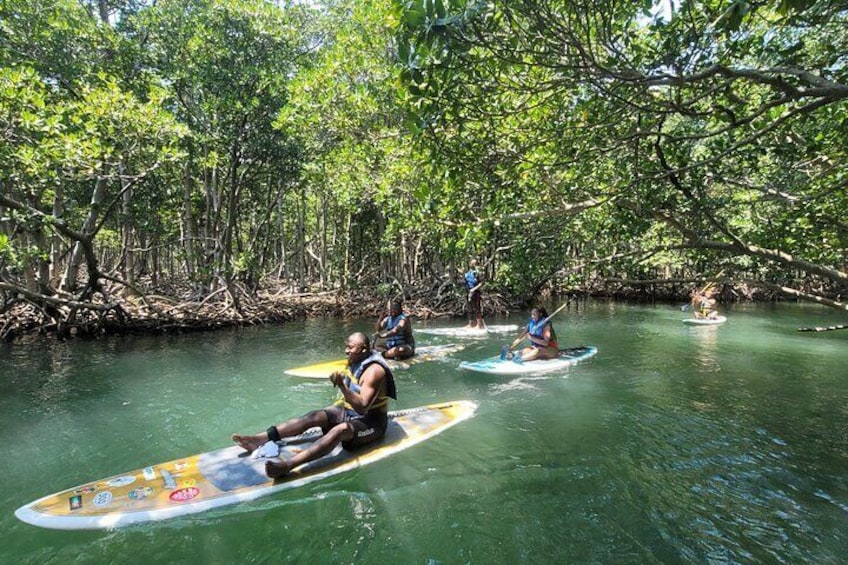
<point>179,309</point>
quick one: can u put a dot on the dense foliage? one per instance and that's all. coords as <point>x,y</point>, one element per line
<point>701,135</point>
<point>220,144</point>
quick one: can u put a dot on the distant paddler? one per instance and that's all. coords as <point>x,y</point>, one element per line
<point>473,284</point>
<point>395,328</point>
<point>703,302</point>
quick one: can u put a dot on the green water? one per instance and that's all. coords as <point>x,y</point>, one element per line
<point>675,444</point>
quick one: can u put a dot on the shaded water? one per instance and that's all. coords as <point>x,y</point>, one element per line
<point>675,444</point>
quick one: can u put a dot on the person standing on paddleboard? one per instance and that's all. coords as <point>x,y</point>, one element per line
<point>473,284</point>
<point>396,328</point>
<point>359,417</point>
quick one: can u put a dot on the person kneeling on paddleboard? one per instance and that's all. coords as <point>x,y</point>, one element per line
<point>358,418</point>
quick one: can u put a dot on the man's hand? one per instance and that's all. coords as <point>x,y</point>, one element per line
<point>337,378</point>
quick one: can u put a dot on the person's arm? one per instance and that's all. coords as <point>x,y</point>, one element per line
<point>369,387</point>
<point>399,327</point>
<point>524,333</point>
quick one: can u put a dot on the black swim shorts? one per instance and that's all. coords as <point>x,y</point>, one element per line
<point>366,429</point>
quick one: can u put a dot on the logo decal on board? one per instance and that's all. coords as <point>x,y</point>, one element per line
<point>184,494</point>
<point>75,502</point>
<point>121,481</point>
<point>140,493</point>
<point>102,498</point>
<point>87,489</point>
<point>149,473</point>
<point>168,480</point>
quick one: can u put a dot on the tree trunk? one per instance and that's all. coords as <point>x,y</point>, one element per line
<point>70,281</point>
<point>187,234</point>
<point>128,239</point>
<point>57,247</point>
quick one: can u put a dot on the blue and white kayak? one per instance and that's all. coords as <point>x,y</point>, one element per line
<point>497,366</point>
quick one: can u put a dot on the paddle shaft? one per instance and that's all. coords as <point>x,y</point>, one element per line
<point>707,287</point>
<point>712,283</point>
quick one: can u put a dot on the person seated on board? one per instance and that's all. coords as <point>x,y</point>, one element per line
<point>543,339</point>
<point>703,305</point>
<point>473,284</point>
<point>359,417</point>
<point>396,329</point>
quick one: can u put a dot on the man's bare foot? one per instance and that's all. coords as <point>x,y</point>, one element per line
<point>277,470</point>
<point>248,443</point>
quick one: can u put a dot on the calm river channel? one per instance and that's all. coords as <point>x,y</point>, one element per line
<point>675,444</point>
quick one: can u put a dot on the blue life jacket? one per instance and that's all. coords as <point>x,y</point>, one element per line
<point>397,339</point>
<point>355,373</point>
<point>471,279</point>
<point>537,329</point>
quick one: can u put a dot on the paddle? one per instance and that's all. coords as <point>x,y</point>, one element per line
<point>377,334</point>
<point>707,287</point>
<point>542,322</point>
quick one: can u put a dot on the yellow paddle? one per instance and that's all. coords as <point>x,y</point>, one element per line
<point>707,287</point>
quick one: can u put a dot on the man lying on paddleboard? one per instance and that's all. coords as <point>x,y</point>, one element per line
<point>358,418</point>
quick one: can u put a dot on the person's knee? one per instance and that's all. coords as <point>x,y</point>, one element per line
<point>317,418</point>
<point>341,432</point>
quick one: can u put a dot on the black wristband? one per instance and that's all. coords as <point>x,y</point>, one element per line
<point>273,434</point>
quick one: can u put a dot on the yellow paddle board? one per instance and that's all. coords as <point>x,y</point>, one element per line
<point>225,476</point>
<point>423,353</point>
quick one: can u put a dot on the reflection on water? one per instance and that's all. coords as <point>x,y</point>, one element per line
<point>674,444</point>
<point>706,338</point>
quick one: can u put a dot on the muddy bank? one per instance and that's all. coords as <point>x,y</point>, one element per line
<point>176,310</point>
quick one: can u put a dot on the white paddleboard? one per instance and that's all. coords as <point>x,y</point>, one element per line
<point>468,332</point>
<point>423,353</point>
<point>223,477</point>
<point>705,321</point>
<point>497,366</point>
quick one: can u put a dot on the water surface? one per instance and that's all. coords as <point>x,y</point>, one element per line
<point>675,444</point>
